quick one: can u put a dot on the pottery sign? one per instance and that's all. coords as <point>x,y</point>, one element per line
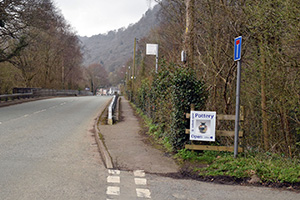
<point>203,126</point>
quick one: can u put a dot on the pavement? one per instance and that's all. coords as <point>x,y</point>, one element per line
<point>129,149</point>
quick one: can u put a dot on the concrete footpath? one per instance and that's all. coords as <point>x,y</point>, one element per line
<point>129,149</point>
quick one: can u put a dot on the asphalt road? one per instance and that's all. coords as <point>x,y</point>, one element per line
<point>48,152</point>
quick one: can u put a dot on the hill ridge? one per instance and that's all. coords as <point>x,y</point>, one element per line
<point>114,48</point>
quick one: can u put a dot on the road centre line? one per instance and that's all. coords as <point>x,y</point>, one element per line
<point>37,112</point>
<point>34,113</point>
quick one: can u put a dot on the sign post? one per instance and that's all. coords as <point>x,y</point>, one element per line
<point>152,49</point>
<point>237,57</point>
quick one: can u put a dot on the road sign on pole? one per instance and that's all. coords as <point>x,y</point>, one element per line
<point>237,57</point>
<point>237,48</point>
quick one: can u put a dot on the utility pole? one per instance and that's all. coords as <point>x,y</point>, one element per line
<point>189,37</point>
<point>130,82</point>
<point>134,52</point>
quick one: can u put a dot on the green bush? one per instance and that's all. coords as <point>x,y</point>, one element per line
<point>186,90</point>
<point>167,98</point>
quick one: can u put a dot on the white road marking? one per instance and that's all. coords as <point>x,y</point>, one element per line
<point>37,112</point>
<point>113,190</point>
<point>26,115</point>
<point>0,122</point>
<point>113,179</point>
<point>139,173</point>
<point>114,172</point>
<point>143,193</point>
<point>140,181</point>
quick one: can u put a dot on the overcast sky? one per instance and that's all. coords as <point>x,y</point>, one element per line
<point>92,17</point>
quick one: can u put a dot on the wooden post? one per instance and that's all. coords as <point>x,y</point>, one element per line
<point>192,109</point>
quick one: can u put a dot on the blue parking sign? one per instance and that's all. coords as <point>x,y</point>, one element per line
<point>237,48</point>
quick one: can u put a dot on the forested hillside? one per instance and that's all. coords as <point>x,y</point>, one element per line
<point>270,71</point>
<point>113,49</point>
<point>38,48</point>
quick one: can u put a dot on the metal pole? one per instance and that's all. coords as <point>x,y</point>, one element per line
<point>237,109</point>
<point>156,66</point>
<point>134,52</point>
<point>156,60</point>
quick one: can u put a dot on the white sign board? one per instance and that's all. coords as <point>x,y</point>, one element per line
<point>203,126</point>
<point>152,49</point>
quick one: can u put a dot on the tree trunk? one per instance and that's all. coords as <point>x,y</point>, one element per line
<point>189,38</point>
<point>263,97</point>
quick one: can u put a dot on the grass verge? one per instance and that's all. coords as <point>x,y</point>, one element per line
<point>153,130</point>
<point>260,169</point>
<point>266,168</point>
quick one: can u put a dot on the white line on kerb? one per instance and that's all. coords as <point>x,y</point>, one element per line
<point>139,173</point>
<point>114,172</point>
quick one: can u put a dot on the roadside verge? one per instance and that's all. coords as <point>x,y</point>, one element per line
<point>100,141</point>
<point>130,149</point>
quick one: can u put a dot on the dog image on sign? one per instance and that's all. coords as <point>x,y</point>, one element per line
<point>203,125</point>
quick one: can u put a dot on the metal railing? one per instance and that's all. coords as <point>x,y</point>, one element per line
<point>36,92</point>
<point>7,97</point>
<point>111,110</point>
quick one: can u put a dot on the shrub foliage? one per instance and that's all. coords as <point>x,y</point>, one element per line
<point>167,98</point>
